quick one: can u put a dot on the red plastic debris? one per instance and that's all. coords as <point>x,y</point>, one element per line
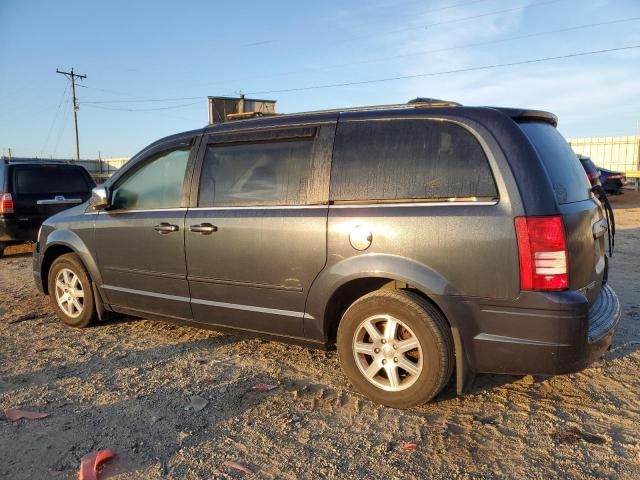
<point>264,387</point>
<point>90,463</point>
<point>15,414</point>
<point>237,466</point>
<point>410,446</point>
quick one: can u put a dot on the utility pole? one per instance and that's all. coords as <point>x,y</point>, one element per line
<point>72,76</point>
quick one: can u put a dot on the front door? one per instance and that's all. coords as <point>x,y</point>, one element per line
<point>257,237</point>
<point>140,239</point>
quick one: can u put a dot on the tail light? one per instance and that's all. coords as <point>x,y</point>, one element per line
<point>615,177</point>
<point>593,175</point>
<point>6,203</point>
<point>542,250</point>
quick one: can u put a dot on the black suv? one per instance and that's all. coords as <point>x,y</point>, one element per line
<point>31,191</point>
<point>416,238</point>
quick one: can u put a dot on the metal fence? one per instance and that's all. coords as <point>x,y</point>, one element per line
<point>614,153</point>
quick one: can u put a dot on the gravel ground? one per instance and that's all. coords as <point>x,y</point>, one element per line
<point>128,385</point>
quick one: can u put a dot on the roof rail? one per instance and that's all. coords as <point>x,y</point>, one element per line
<point>415,103</point>
<point>418,102</point>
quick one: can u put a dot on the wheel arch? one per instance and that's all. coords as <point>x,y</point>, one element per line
<point>343,283</point>
<point>348,280</point>
<point>60,243</point>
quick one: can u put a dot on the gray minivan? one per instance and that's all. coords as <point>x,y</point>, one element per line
<point>416,238</point>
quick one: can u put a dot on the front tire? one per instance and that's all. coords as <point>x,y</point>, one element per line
<point>70,292</point>
<point>396,348</point>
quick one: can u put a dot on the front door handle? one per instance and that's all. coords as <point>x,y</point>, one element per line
<point>165,228</point>
<point>203,228</point>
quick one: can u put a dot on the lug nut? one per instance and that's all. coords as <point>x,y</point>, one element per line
<point>377,350</point>
<point>384,361</point>
<point>384,341</point>
<point>395,347</point>
<point>395,359</point>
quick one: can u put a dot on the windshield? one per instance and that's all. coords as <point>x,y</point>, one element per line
<point>569,180</point>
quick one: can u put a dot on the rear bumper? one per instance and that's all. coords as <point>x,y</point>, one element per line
<point>19,229</point>
<point>504,339</point>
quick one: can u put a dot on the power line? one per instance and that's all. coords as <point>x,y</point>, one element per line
<point>446,72</point>
<point>97,102</point>
<point>55,117</point>
<point>433,10</point>
<point>423,27</point>
<point>147,112</point>
<point>463,46</point>
<point>149,109</point>
<point>393,57</point>
<point>63,125</point>
<point>444,22</point>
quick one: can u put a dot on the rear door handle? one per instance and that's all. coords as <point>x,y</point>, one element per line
<point>165,228</point>
<point>203,228</point>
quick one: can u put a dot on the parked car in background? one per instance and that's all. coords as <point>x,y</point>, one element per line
<point>612,182</point>
<point>592,171</point>
<point>418,239</point>
<point>32,191</point>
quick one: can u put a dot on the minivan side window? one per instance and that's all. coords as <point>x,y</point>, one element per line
<point>413,159</point>
<point>249,174</point>
<point>156,184</point>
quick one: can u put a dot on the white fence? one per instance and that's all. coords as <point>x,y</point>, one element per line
<point>615,153</point>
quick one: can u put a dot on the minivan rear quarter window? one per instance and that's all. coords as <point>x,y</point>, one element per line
<point>568,178</point>
<point>41,179</point>
<point>413,159</point>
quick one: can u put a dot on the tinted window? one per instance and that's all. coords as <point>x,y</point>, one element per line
<point>273,173</point>
<point>570,183</point>
<point>408,159</point>
<point>50,179</point>
<point>157,184</point>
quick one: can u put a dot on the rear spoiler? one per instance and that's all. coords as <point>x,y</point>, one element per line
<point>519,114</point>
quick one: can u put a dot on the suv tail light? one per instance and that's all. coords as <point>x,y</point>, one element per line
<point>542,250</point>
<point>6,203</point>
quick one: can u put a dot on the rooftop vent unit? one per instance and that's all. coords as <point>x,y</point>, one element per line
<point>225,109</point>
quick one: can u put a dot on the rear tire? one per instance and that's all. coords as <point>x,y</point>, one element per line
<point>70,292</point>
<point>2,247</point>
<point>396,348</point>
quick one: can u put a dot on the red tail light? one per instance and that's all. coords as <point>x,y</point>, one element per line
<point>6,203</point>
<point>593,175</point>
<point>542,249</point>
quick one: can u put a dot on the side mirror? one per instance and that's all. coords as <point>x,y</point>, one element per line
<point>100,198</point>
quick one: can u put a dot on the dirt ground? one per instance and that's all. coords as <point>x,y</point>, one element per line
<point>127,385</point>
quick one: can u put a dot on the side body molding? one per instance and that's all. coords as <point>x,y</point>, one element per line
<point>335,275</point>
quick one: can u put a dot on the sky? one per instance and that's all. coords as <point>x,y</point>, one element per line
<point>151,65</point>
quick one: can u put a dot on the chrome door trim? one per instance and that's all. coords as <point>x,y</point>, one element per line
<point>234,306</point>
<point>415,204</point>
<point>146,293</point>
<point>250,308</point>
